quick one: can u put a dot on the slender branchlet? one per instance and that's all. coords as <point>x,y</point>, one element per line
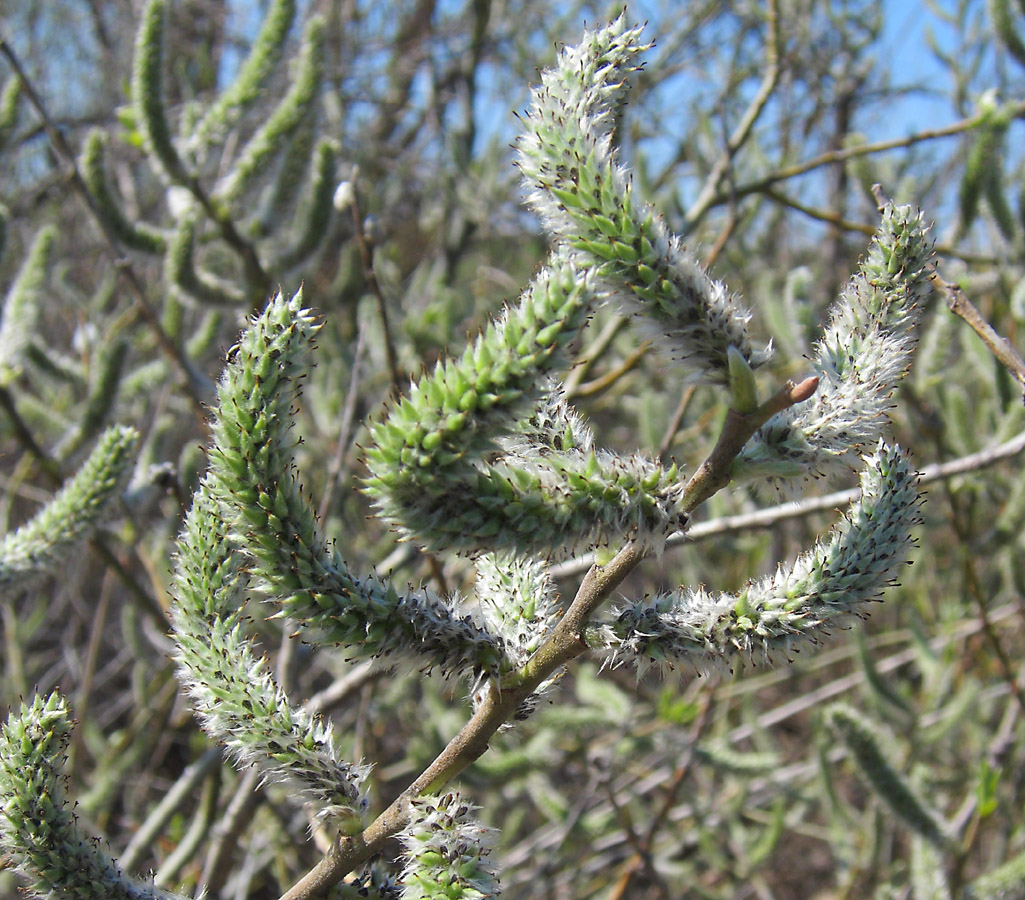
<point>770,618</point>
<point>42,544</point>
<point>864,352</point>
<point>38,826</point>
<point>181,270</point>
<point>453,465</point>
<point>267,513</point>
<point>892,787</point>
<point>446,852</point>
<point>585,198</point>
<point>21,306</point>
<point>245,90</point>
<point>148,92</point>
<point>282,123</point>
<point>133,234</point>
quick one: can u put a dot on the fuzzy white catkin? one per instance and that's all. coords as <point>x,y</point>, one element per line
<point>772,616</point>
<point>864,352</point>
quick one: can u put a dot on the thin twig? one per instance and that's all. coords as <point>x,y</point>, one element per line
<point>225,841</point>
<point>730,226</point>
<point>674,424</point>
<point>589,356</point>
<point>335,693</point>
<point>770,78</point>
<point>784,173</point>
<point>1000,347</point>
<point>202,820</point>
<point>366,254</point>
<point>181,793</point>
<point>336,465</point>
<point>838,221</point>
<point>820,215</point>
<point>604,382</point>
<point>97,631</point>
<point>642,855</point>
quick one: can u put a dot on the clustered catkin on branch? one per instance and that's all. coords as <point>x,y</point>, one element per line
<point>267,515</point>
<point>485,457</point>
<point>442,471</point>
<point>21,306</point>
<point>447,470</point>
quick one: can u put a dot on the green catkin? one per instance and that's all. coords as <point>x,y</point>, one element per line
<point>864,352</point>
<point>268,515</point>
<point>891,786</point>
<point>773,616</point>
<point>10,109</point>
<point>263,59</point>
<point>77,509</point>
<point>180,267</point>
<point>286,118</point>
<point>103,389</point>
<point>148,92</point>
<point>1004,25</point>
<point>312,224</point>
<point>585,199</point>
<point>38,826</point>
<point>230,685</point>
<point>21,306</point>
<point>134,235</point>
<point>291,174</point>
<point>446,852</point>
